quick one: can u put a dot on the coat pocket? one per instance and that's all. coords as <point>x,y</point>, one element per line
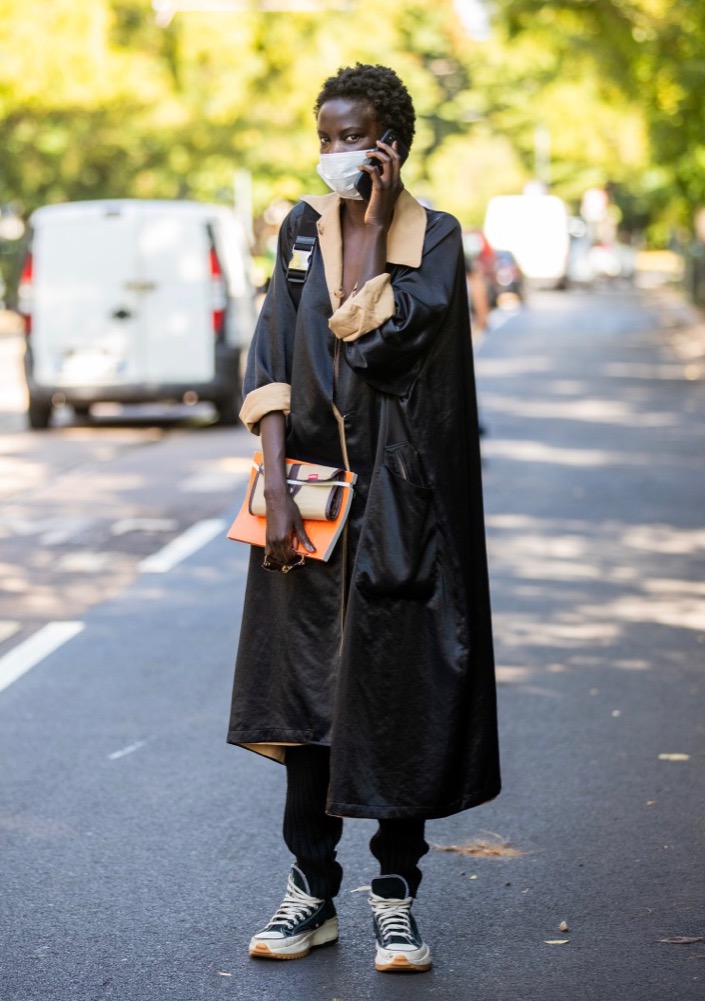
<point>397,555</point>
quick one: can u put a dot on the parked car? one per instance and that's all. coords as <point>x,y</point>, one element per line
<point>510,279</point>
<point>135,301</point>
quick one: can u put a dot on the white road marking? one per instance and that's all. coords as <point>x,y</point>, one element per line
<point>48,531</point>
<point>183,546</point>
<point>142,525</point>
<point>86,562</point>
<point>28,654</point>
<point>7,629</point>
<point>130,749</point>
<point>62,535</point>
<point>498,320</point>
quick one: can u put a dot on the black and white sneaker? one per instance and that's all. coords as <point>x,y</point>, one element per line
<point>301,923</point>
<point>400,948</point>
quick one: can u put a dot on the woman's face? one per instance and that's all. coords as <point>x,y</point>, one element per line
<point>345,125</point>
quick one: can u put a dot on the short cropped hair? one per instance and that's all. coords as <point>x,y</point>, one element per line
<point>379,87</point>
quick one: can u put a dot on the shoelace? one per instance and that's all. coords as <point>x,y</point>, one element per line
<point>393,917</point>
<point>295,906</point>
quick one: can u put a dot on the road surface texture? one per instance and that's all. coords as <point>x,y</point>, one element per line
<point>139,852</point>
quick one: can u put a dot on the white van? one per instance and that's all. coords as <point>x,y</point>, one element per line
<point>534,227</point>
<point>135,301</point>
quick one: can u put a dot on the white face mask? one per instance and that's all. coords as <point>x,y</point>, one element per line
<point>339,171</point>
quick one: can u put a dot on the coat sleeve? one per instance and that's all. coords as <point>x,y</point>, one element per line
<point>267,382</point>
<point>390,327</point>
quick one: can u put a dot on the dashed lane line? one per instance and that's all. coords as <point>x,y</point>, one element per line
<point>28,654</point>
<point>183,546</point>
<point>50,637</point>
<point>130,749</point>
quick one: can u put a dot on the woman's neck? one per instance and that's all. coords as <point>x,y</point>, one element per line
<point>353,212</point>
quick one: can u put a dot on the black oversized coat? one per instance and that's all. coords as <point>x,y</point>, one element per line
<point>384,653</point>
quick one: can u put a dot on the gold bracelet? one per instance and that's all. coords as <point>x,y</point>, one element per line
<point>285,567</point>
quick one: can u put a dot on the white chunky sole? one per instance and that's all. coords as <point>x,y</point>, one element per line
<point>297,946</point>
<point>403,961</point>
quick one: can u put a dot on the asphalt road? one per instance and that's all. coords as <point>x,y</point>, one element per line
<point>139,852</point>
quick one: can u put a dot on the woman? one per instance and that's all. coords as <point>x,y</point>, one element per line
<point>370,676</point>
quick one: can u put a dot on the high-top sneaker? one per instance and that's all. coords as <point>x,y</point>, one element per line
<point>400,948</point>
<point>301,923</point>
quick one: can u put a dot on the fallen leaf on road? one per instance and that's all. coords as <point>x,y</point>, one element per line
<point>557,941</point>
<point>674,757</point>
<point>492,846</point>
<point>683,939</point>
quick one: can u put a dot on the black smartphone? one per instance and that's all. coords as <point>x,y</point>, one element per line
<point>363,181</point>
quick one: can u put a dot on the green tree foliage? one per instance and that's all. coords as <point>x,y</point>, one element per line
<point>652,51</point>
<point>540,94</point>
<point>97,100</point>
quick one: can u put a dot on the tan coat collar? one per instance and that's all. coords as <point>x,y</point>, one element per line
<point>404,240</point>
<point>406,234</point>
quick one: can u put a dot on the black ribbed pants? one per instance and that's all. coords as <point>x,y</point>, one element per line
<point>312,835</point>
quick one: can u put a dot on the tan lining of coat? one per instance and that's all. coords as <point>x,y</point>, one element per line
<point>273,396</point>
<point>275,751</point>
<point>368,309</point>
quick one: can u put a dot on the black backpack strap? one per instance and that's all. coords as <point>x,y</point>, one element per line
<point>302,252</point>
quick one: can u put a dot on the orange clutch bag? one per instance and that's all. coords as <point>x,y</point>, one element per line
<point>323,494</point>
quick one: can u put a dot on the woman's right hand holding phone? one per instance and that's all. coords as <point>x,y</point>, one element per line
<point>385,183</point>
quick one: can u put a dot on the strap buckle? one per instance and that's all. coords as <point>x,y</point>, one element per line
<point>300,259</point>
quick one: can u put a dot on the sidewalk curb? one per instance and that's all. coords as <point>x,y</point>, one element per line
<point>684,324</point>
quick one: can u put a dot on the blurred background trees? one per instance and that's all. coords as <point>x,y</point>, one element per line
<point>98,100</point>
<point>650,54</point>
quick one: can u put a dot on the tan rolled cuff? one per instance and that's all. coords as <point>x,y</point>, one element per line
<point>274,396</point>
<point>372,306</point>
